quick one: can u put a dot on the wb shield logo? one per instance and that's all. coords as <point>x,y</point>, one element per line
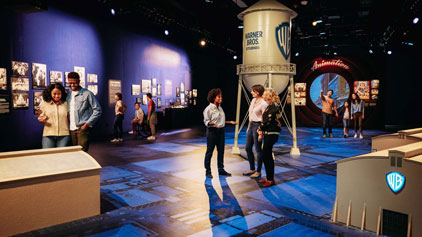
<point>395,181</point>
<point>282,35</point>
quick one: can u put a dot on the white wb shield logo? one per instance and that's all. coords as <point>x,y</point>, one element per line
<point>395,181</point>
<point>283,38</point>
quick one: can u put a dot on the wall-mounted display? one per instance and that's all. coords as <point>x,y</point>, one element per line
<point>177,91</point>
<point>92,78</point>
<point>4,104</point>
<point>38,99</point>
<point>374,97</point>
<point>159,89</point>
<point>81,72</point>
<point>190,94</point>
<point>20,100</point>
<point>3,79</point>
<point>20,69</point>
<point>300,94</point>
<point>361,88</point>
<point>177,102</point>
<point>154,81</point>
<point>194,101</point>
<point>20,84</point>
<point>146,86</point>
<point>93,89</point>
<point>158,102</point>
<point>182,86</point>
<point>139,100</point>
<point>194,93</point>
<point>144,99</point>
<point>187,94</point>
<point>66,78</point>
<point>300,101</point>
<point>168,88</point>
<point>375,84</point>
<point>182,98</point>
<point>39,76</point>
<point>114,86</point>
<point>374,91</point>
<point>154,92</point>
<point>136,89</point>
<point>56,77</point>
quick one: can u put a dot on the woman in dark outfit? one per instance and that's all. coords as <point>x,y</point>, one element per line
<point>270,130</point>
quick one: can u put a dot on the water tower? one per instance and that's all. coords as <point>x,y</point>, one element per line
<point>266,57</point>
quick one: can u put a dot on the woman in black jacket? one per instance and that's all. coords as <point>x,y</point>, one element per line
<point>270,130</point>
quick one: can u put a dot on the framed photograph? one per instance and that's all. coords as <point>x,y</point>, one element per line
<point>375,84</point>
<point>56,77</point>
<point>190,94</point>
<point>159,89</point>
<point>186,94</point>
<point>182,98</point>
<point>139,100</point>
<point>300,101</point>
<point>361,88</point>
<point>154,92</point>
<point>114,86</point>
<point>37,101</point>
<point>136,89</point>
<point>4,104</point>
<point>159,102</point>
<point>374,91</point>
<point>194,93</point>
<point>20,84</point>
<point>93,89</point>
<point>182,86</point>
<point>92,78</point>
<point>65,77</point>
<point>3,79</point>
<point>300,87</point>
<point>177,101</point>
<point>194,101</point>
<point>81,72</point>
<point>168,88</point>
<point>177,91</point>
<point>20,100</point>
<point>20,69</point>
<point>144,99</point>
<point>39,76</point>
<point>146,86</point>
<point>154,81</point>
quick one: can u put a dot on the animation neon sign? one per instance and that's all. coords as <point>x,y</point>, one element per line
<point>395,181</point>
<point>333,62</point>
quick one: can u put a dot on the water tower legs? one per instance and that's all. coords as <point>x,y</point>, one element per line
<point>235,148</point>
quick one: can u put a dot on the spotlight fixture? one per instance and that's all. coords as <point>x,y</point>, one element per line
<point>297,54</point>
<point>166,32</point>
<point>314,23</point>
<point>202,42</point>
<point>304,2</point>
<point>240,27</point>
<point>370,51</point>
<point>389,52</point>
<point>416,20</point>
<point>234,57</point>
<point>335,53</point>
<point>113,12</point>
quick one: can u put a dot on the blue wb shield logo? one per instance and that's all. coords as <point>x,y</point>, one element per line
<point>283,38</point>
<point>395,181</point>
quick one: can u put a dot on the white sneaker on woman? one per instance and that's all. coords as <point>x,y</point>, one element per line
<point>115,140</point>
<point>360,136</point>
<point>355,136</point>
<point>151,138</point>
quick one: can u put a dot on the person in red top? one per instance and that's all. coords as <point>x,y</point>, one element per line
<point>152,116</point>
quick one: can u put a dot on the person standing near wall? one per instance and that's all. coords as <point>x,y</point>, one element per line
<point>358,114</point>
<point>53,114</point>
<point>346,119</point>
<point>256,109</point>
<point>84,112</point>
<point>215,120</point>
<point>328,106</point>
<point>119,110</point>
<point>138,119</point>
<point>269,130</point>
<point>152,117</point>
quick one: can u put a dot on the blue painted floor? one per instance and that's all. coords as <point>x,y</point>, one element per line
<point>159,188</point>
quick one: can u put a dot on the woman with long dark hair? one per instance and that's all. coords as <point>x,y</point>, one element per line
<point>53,113</point>
<point>358,114</point>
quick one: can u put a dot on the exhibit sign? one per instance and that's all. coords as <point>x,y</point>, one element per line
<point>329,63</point>
<point>168,88</point>
<point>4,104</point>
<point>114,86</point>
<point>136,89</point>
<point>395,181</point>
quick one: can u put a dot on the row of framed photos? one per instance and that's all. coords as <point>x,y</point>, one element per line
<point>20,100</point>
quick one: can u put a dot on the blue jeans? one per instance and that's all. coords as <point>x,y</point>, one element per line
<point>252,139</point>
<point>326,121</point>
<point>55,141</point>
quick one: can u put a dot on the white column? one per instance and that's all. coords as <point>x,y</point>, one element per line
<point>295,150</point>
<point>235,148</point>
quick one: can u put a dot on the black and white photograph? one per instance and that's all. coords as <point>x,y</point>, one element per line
<point>20,69</point>
<point>114,86</point>
<point>37,101</point>
<point>154,92</point>
<point>39,76</point>
<point>177,91</point>
<point>3,79</point>
<point>190,94</point>
<point>20,84</point>
<point>144,99</point>
<point>92,78</point>
<point>182,86</point>
<point>56,77</point>
<point>139,100</point>
<point>194,102</point>
<point>177,101</point>
<point>20,100</point>
<point>159,89</point>
<point>136,89</point>
<point>186,94</point>
<point>4,104</point>
<point>154,81</point>
<point>194,93</point>
<point>93,89</point>
<point>146,86</point>
<point>182,98</point>
<point>159,102</point>
<point>81,72</point>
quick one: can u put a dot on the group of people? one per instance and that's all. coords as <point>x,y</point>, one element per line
<point>355,112</point>
<point>264,128</point>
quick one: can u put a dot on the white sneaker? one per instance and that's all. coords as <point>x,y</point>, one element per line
<point>360,136</point>
<point>355,136</point>
<point>151,138</point>
<point>130,132</point>
<point>120,139</point>
<point>115,140</point>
